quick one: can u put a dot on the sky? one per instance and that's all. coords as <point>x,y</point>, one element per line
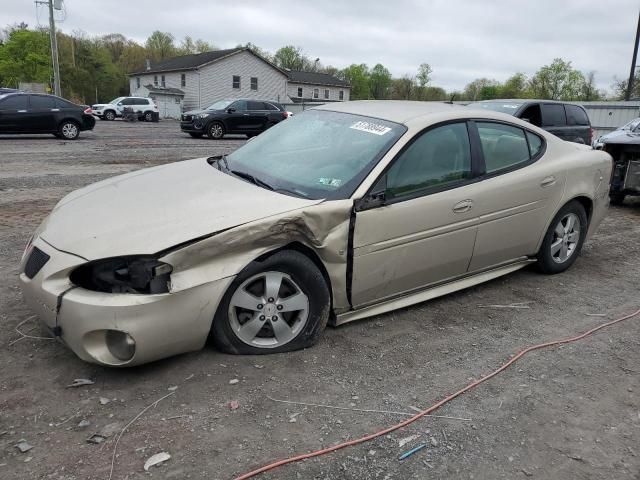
<point>461,39</point>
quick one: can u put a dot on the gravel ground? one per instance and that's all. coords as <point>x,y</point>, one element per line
<point>571,412</point>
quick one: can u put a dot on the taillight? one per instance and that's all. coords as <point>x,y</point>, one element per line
<point>590,135</point>
<point>88,111</point>
<point>285,114</point>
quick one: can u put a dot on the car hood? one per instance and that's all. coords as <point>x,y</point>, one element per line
<point>150,210</point>
<point>623,137</point>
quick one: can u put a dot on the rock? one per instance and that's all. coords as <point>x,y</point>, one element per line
<point>104,400</point>
<point>28,459</point>
<point>95,438</point>
<point>234,405</point>
<point>80,382</point>
<point>233,381</point>
<point>23,446</point>
<point>403,441</point>
<point>109,429</point>
<point>84,424</point>
<point>259,366</point>
<point>156,459</point>
<point>173,388</point>
<point>527,473</point>
<point>433,442</point>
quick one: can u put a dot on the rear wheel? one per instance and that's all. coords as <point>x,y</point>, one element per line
<point>617,198</point>
<point>109,115</point>
<point>148,116</point>
<point>276,305</point>
<point>69,130</point>
<point>564,238</point>
<point>215,130</point>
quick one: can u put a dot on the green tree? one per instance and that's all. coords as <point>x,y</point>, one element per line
<point>474,90</point>
<point>557,81</point>
<point>424,74</point>
<point>358,78</point>
<point>25,57</point>
<point>257,50</point>
<point>291,57</point>
<point>380,82</point>
<point>515,87</point>
<point>160,46</point>
<point>403,88</point>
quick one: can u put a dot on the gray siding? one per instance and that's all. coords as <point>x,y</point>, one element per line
<point>307,92</point>
<point>172,80</point>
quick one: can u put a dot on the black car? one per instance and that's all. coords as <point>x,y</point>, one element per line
<point>623,145</point>
<point>245,116</point>
<point>565,120</point>
<point>41,113</point>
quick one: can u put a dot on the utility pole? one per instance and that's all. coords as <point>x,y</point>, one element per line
<point>54,42</point>
<point>627,96</point>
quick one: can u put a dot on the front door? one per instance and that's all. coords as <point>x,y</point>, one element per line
<point>236,117</point>
<point>425,231</point>
<point>13,111</point>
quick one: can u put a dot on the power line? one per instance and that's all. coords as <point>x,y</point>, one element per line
<point>54,42</point>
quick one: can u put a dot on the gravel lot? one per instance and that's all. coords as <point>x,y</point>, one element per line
<point>562,413</point>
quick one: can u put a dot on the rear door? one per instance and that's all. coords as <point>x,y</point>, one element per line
<point>42,113</point>
<point>258,115</point>
<point>517,196</point>
<point>13,114</point>
<point>554,119</point>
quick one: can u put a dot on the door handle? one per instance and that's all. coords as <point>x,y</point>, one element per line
<point>245,114</point>
<point>463,206</point>
<point>548,181</point>
<point>22,111</point>
<point>55,109</point>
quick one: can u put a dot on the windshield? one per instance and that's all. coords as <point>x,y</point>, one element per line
<point>115,101</point>
<point>504,107</point>
<point>220,105</point>
<point>632,125</point>
<point>317,154</point>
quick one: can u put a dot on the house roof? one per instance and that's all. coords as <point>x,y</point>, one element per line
<point>315,78</point>
<point>164,90</point>
<point>197,60</point>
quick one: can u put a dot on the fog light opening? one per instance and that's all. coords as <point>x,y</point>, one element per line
<point>120,344</point>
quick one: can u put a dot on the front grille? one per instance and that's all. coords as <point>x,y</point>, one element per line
<point>36,261</point>
<point>187,118</point>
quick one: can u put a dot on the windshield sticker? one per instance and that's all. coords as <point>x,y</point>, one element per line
<point>369,127</point>
<point>330,182</point>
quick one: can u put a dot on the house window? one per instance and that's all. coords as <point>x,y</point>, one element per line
<point>183,79</point>
<point>341,95</point>
<point>163,83</point>
<point>155,80</point>
<point>316,93</point>
<point>326,93</point>
<point>300,91</point>
<point>236,81</point>
<point>254,83</point>
<point>137,82</point>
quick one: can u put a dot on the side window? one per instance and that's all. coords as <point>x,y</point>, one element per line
<point>326,93</point>
<point>553,115</point>
<point>163,82</point>
<point>183,79</point>
<point>316,93</point>
<point>535,144</point>
<point>341,96</point>
<point>438,158</point>
<point>299,91</point>
<point>60,103</point>
<point>251,105</point>
<point>137,82</point>
<point>155,80</point>
<point>254,83</point>
<point>40,102</point>
<point>576,115</point>
<point>14,102</point>
<point>503,146</point>
<point>239,105</point>
<point>235,83</point>
<point>269,106</point>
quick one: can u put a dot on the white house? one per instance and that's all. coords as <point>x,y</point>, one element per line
<point>195,81</point>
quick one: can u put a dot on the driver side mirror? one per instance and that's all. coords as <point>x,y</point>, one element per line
<point>119,104</point>
<point>231,110</point>
<point>377,197</point>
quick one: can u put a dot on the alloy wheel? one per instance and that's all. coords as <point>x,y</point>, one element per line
<point>268,310</point>
<point>216,130</point>
<point>566,236</point>
<point>69,131</point>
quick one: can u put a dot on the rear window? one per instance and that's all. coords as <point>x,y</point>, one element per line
<point>251,105</point>
<point>576,115</point>
<point>553,115</point>
<point>503,146</point>
<point>14,102</point>
<point>269,106</point>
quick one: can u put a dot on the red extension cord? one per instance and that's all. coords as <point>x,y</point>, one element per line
<point>434,407</point>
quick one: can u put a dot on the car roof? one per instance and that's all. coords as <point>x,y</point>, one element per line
<point>399,111</point>
<point>522,101</point>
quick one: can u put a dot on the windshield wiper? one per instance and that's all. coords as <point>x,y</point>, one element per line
<point>252,179</point>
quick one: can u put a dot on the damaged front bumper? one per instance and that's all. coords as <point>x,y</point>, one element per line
<point>117,329</point>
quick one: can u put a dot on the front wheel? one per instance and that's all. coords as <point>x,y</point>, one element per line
<point>564,238</point>
<point>109,115</point>
<point>69,130</point>
<point>276,305</point>
<point>215,130</point>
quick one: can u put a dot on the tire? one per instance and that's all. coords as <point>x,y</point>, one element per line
<point>215,130</point>
<point>195,135</point>
<point>302,286</point>
<point>616,198</point>
<point>109,115</point>
<point>148,116</point>
<point>558,253</point>
<point>69,130</point>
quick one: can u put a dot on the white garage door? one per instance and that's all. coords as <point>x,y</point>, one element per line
<point>169,106</point>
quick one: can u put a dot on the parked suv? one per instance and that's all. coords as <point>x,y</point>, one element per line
<point>565,120</point>
<point>40,113</point>
<point>246,116</point>
<point>145,107</point>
